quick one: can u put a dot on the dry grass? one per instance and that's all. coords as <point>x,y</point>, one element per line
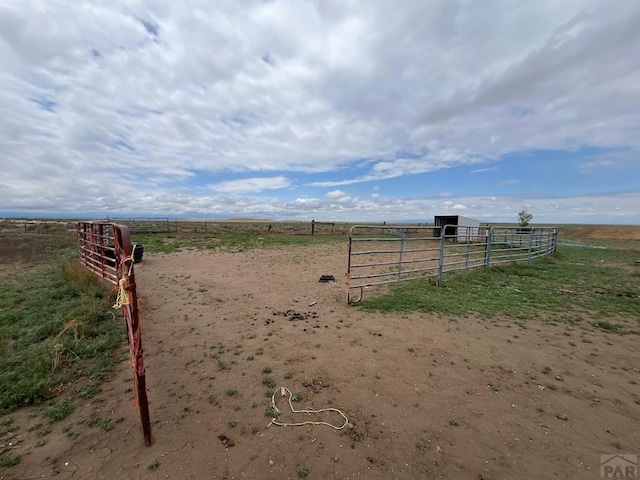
<point>32,248</point>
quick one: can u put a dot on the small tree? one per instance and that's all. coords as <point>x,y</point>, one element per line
<point>524,217</point>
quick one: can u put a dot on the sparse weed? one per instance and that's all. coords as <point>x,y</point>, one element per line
<point>269,382</point>
<point>61,409</point>
<point>95,421</point>
<point>10,459</point>
<point>271,412</point>
<point>90,390</point>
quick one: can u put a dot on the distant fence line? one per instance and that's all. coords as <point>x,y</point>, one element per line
<point>383,255</point>
<point>46,227</point>
<point>168,226</point>
<point>230,227</point>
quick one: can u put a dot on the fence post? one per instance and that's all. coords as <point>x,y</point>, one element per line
<point>487,255</point>
<point>313,226</point>
<point>466,266</point>
<point>402,241</point>
<point>511,245</point>
<point>348,266</point>
<point>530,245</point>
<point>131,313</point>
<point>441,255</point>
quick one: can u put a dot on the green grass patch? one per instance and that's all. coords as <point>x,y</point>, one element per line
<point>60,410</point>
<point>95,421</point>
<point>55,326</point>
<point>89,391</point>
<point>269,382</point>
<point>271,411</point>
<point>240,242</point>
<point>609,327</point>
<point>574,280</point>
<point>10,459</point>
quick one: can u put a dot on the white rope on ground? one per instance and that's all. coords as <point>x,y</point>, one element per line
<point>283,392</point>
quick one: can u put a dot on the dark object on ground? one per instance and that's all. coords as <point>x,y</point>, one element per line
<point>138,251</point>
<point>226,441</point>
<point>327,278</point>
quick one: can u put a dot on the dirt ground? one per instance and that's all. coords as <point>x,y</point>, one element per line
<point>426,396</point>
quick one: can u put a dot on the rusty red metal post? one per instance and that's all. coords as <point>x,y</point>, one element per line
<point>131,311</point>
<point>94,240</point>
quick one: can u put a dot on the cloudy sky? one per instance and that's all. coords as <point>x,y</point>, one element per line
<point>365,110</point>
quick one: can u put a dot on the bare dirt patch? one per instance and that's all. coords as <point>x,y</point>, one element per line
<point>427,396</point>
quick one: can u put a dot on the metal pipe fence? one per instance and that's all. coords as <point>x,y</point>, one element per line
<point>383,255</point>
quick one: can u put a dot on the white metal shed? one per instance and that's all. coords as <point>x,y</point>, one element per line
<point>458,228</point>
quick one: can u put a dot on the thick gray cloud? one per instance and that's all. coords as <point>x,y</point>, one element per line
<point>108,100</point>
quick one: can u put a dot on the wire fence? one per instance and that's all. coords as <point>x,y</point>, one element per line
<point>179,227</point>
<point>382,255</point>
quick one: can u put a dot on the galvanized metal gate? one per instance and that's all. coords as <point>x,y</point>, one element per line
<point>383,254</point>
<point>106,249</point>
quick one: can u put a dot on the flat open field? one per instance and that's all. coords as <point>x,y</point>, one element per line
<point>426,395</point>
